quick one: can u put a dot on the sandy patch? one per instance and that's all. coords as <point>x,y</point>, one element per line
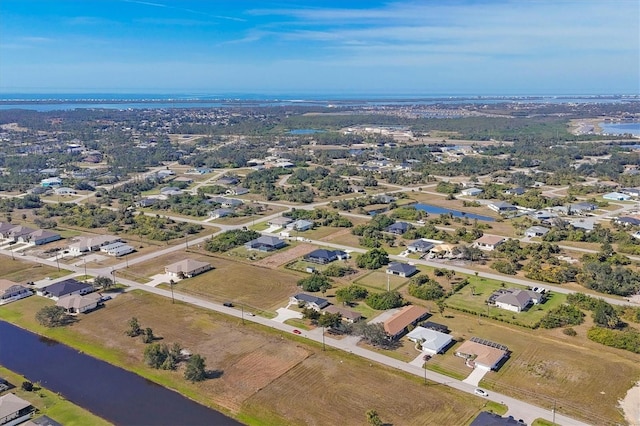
<point>631,405</point>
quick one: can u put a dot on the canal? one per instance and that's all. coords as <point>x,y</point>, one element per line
<point>116,395</point>
<point>441,210</point>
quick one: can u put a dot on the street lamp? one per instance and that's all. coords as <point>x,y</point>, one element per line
<point>323,338</point>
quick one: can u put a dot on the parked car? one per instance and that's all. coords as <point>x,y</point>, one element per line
<point>105,298</point>
<point>480,392</point>
<point>427,357</point>
<point>297,332</point>
<point>251,314</point>
<point>228,304</point>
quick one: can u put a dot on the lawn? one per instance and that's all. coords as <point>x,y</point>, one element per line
<point>378,280</point>
<point>263,371</point>
<point>261,289</point>
<point>472,298</point>
<point>585,379</point>
<point>21,271</point>
<point>51,404</point>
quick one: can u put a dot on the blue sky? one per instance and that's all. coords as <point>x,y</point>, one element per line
<point>321,47</point>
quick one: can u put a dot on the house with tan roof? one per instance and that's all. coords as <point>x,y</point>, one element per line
<point>482,353</point>
<point>187,268</point>
<point>347,314</point>
<point>488,242</point>
<point>14,410</point>
<point>10,291</point>
<point>397,325</point>
<point>77,304</point>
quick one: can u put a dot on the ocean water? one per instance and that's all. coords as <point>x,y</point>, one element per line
<point>69,101</point>
<point>632,127</point>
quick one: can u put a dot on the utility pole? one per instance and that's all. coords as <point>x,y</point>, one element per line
<point>171,286</point>
<point>323,348</point>
<point>186,241</point>
<point>553,411</point>
<point>57,260</point>
<point>242,312</point>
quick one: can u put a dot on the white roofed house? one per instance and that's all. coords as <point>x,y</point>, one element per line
<point>536,231</point>
<point>401,269</point>
<point>431,341</point>
<point>117,249</point>
<point>488,242</point>
<point>87,244</point>
<point>187,268</point>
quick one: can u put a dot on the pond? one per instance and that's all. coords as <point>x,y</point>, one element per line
<point>110,392</point>
<point>442,210</point>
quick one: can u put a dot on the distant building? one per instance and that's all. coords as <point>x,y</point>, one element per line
<point>51,182</point>
<point>616,196</point>
<point>536,231</point>
<point>398,228</point>
<point>501,206</point>
<point>472,192</point>
<point>265,243</point>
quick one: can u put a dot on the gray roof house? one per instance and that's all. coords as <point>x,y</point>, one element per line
<point>536,231</point>
<point>517,300</point>
<point>398,228</point>
<point>323,256</point>
<point>265,243</point>
<point>501,206</point>
<point>310,301</point>
<point>420,246</point>
<point>65,288</point>
<point>401,269</point>
<point>300,225</point>
<point>10,291</point>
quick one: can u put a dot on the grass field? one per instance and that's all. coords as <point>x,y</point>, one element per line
<point>262,289</point>
<point>474,295</point>
<point>51,404</point>
<point>21,271</point>
<point>265,377</point>
<point>378,280</point>
<point>585,379</point>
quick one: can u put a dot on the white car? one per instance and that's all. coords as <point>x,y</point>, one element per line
<point>480,392</point>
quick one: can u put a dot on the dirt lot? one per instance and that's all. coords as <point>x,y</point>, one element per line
<point>285,256</point>
<point>262,376</point>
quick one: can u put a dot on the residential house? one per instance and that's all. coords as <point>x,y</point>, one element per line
<point>51,182</point>
<point>436,326</point>
<point>501,206</point>
<point>228,180</point>
<point>536,231</point>
<point>401,269</point>
<point>431,341</point>
<point>633,192</point>
<point>220,213</point>
<point>40,237</point>
<point>482,353</point>
<point>420,246</point>
<point>146,202</point>
<point>322,256</point>
<point>398,228</point>
<point>280,221</point>
<point>515,191</point>
<point>385,199</point>
<point>14,410</point>
<point>581,208</point>
<point>117,249</point>
<point>77,304</point>
<point>265,243</point>
<point>300,225</point>
<point>515,300</point>
<point>488,242</point>
<point>183,180</point>
<point>616,196</point>
<point>88,244</point>
<point>229,203</point>
<point>627,221</point>
<point>65,288</point>
<point>18,233</point>
<point>309,301</point>
<point>163,174</point>
<point>238,190</point>
<point>587,224</point>
<point>170,190</point>
<point>472,192</point>
<point>397,324</point>
<point>63,190</point>
<point>347,314</point>
<point>187,268</point>
<point>10,291</point>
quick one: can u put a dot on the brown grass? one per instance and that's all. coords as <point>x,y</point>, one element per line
<point>263,376</point>
<point>21,271</point>
<point>285,256</point>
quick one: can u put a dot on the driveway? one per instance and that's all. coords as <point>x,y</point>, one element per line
<point>285,314</point>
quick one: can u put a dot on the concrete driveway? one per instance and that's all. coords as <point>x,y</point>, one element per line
<point>286,313</point>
